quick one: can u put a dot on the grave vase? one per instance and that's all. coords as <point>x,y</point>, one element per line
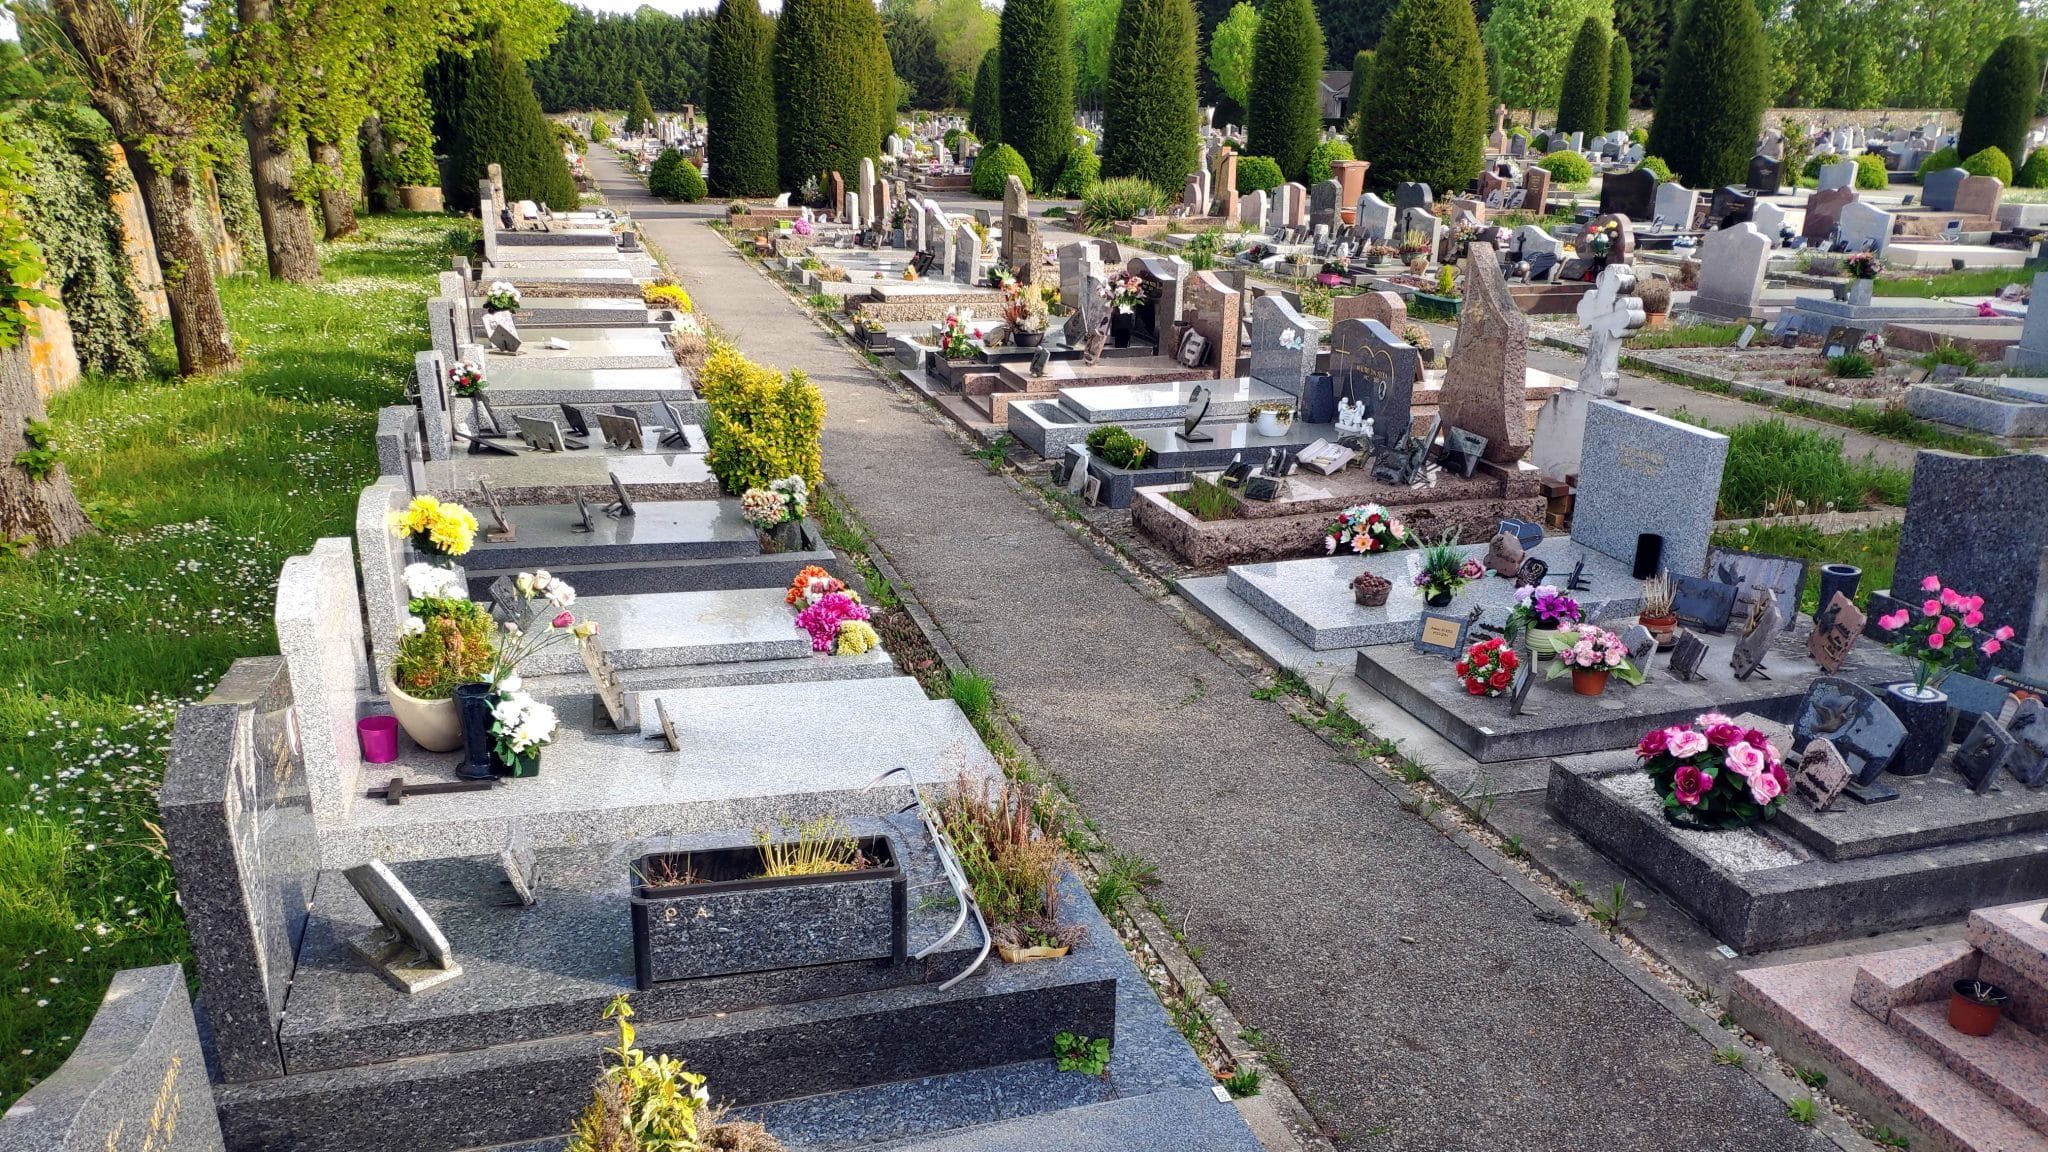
<point>787,536</point>
<point>1843,578</point>
<point>479,747</point>
<point>1120,325</point>
<point>1924,712</point>
<point>435,725</point>
<point>1318,399</point>
<point>1438,597</point>
<point>1859,292</point>
<point>1589,681</point>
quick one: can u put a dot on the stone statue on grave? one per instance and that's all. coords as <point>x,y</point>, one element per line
<point>1351,417</point>
<point>1609,312</point>
<point>1504,555</point>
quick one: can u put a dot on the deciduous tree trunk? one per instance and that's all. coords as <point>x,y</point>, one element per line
<point>337,195</point>
<point>38,511</point>
<point>198,323</point>
<point>287,221</point>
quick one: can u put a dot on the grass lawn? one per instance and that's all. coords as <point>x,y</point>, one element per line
<point>1780,469</point>
<point>1977,282</point>
<point>202,489</point>
<point>1697,335</point>
<point>1875,550</point>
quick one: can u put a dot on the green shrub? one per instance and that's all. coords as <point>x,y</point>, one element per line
<point>1117,446</point>
<point>1119,198</point>
<point>1639,136</point>
<point>994,167</point>
<point>1083,168</point>
<point>494,118</point>
<point>1427,115</point>
<point>2000,105</point>
<point>599,130</point>
<point>1258,174</point>
<point>1990,162</point>
<point>1322,156</point>
<point>1656,166</point>
<point>1540,142</point>
<point>1582,107</point>
<point>833,88</point>
<point>639,113</point>
<point>1037,83</point>
<point>739,98</point>
<point>673,177</point>
<point>2034,173</point>
<point>1151,118</point>
<point>763,426</point>
<point>1567,168</point>
<point>1710,108</point>
<point>1285,119</point>
<point>1870,172</point>
<point>1940,160</point>
<point>1621,78</point>
<point>1851,366</point>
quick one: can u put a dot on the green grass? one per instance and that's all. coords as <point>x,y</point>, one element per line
<point>1977,282</point>
<point>1204,500</point>
<point>1875,550</point>
<point>1701,335</point>
<point>1776,468</point>
<point>202,488</point>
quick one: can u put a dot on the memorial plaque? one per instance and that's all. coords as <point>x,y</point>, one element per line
<point>1197,411</point>
<point>1983,752</point>
<point>1528,533</point>
<point>673,435</point>
<point>1235,472</point>
<point>573,417</point>
<point>1703,604</point>
<point>604,678</point>
<point>1441,634</point>
<point>1531,573</point>
<point>1518,692</point>
<point>583,522</point>
<point>1862,729</point>
<point>1577,582</point>
<point>1641,647</point>
<point>505,596</point>
<point>668,725</point>
<point>541,435</point>
<point>1462,451</point>
<point>1970,697</point>
<point>2028,762</point>
<point>504,532</point>
<point>1835,631</point>
<point>1686,656</point>
<point>1752,571</point>
<point>1762,628</point>
<point>620,431</point>
<point>1821,776</point>
<point>407,948</point>
<point>623,506</point>
<point>522,869</point>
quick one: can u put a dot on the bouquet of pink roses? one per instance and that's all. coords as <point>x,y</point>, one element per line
<point>1714,773</point>
<point>1944,639</point>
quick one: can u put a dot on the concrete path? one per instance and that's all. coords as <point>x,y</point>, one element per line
<point>1419,1001</point>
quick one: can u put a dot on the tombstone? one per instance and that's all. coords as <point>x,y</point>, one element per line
<point>1821,776</point>
<point>1020,234</point>
<point>1823,211</point>
<point>1979,196</point>
<point>1323,201</point>
<point>1769,219</point>
<point>1730,206</point>
<point>2030,355</point>
<point>1497,140</point>
<point>1631,194</point>
<point>1840,174</point>
<point>1252,211</point>
<point>1856,722</point>
<point>1374,218</point>
<point>1422,222</point>
<point>1412,194</point>
<point>1640,472</point>
<point>1485,385</point>
<point>1371,365</point>
<point>1938,189</point>
<point>1191,197</point>
<point>1976,523</point>
<point>966,254</point>
<point>1535,188</point>
<point>1296,199</point>
<point>1732,262</point>
<point>883,208</point>
<point>1284,344</point>
<point>1578,142</point>
<point>1702,602</point>
<point>836,194</point>
<point>1225,184</point>
<point>849,212</point>
<point>1983,751</point>
<point>1165,278</point>
<point>239,827</point>
<point>1560,434</point>
<point>1386,307</point>
<point>1674,204</point>
<point>1864,227</point>
<point>1766,175</point>
<point>1215,310</point>
<point>2028,763</point>
<point>1765,620</point>
<point>1518,146</point>
<point>1609,312</point>
<point>892,146</point>
<point>1079,261</point>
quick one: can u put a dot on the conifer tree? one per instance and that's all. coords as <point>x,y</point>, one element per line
<point>1150,121</point>
<point>1037,85</point>
<point>828,88</point>
<point>494,118</point>
<point>639,113</point>
<point>1582,99</point>
<point>1426,116</point>
<point>1285,119</point>
<point>1621,78</point>
<point>1710,107</point>
<point>985,119</point>
<point>2000,106</point>
<point>740,100</point>
<point>1361,79</point>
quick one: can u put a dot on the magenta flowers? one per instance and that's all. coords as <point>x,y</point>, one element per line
<point>1946,636</point>
<point>1714,773</point>
<point>822,619</point>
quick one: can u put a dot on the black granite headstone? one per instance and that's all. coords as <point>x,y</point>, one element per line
<point>1632,194</point>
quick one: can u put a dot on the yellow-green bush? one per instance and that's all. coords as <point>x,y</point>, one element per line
<point>763,426</point>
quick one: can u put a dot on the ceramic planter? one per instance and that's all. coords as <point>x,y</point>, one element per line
<point>1925,715</point>
<point>1271,423</point>
<point>732,920</point>
<point>1589,681</point>
<point>1027,339</point>
<point>1971,1016</point>
<point>1664,628</point>
<point>1370,591</point>
<point>435,725</point>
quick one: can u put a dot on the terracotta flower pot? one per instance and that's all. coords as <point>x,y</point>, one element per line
<point>1589,681</point>
<point>435,725</point>
<point>1972,1017</point>
<point>1664,628</point>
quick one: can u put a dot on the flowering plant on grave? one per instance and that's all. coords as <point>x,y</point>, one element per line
<point>824,619</point>
<point>1944,638</point>
<point>954,341</point>
<point>1594,649</point>
<point>1125,292</point>
<point>445,640</point>
<point>812,585</point>
<point>1488,668</point>
<point>503,297</point>
<point>1714,773</point>
<point>1863,265</point>
<point>1023,306</point>
<point>1543,607</point>
<point>521,727</point>
<point>856,637</point>
<point>780,502</point>
<point>466,379</point>
<point>1443,571</point>
<point>543,622</point>
<point>1366,528</point>
<point>437,529</point>
<point>802,226</point>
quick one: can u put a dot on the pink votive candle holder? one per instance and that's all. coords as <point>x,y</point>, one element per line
<point>379,735</point>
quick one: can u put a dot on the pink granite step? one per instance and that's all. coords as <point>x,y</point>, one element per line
<point>2015,936</point>
<point>1902,976</point>
<point>2010,1065</point>
<point>1808,1013</point>
<point>2029,1003</point>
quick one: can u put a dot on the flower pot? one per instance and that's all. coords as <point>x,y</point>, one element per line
<point>1270,423</point>
<point>1370,593</point>
<point>1843,578</point>
<point>1656,319</point>
<point>378,736</point>
<point>419,197</point>
<point>1027,339</point>
<point>1544,642</point>
<point>1318,399</point>
<point>787,536</point>
<point>1925,715</point>
<point>1860,291</point>
<point>1589,681</point>
<point>479,746</point>
<point>1035,952</point>
<point>1664,628</point>
<point>520,766</point>
<point>1120,325</point>
<point>435,725</point>
<point>1439,598</point>
<point>1973,1017</point>
<point>1329,279</point>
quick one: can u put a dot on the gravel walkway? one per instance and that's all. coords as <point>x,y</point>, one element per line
<point>1419,1001</point>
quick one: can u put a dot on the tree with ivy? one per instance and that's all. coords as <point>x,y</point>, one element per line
<point>1711,108</point>
<point>131,58</point>
<point>1426,116</point>
<point>1037,82</point>
<point>37,507</point>
<point>1582,99</point>
<point>985,116</point>
<point>741,95</point>
<point>2000,105</point>
<point>1284,119</point>
<point>1151,126</point>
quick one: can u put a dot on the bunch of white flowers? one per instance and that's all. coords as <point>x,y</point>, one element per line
<point>521,722</point>
<point>539,585</point>
<point>427,582</point>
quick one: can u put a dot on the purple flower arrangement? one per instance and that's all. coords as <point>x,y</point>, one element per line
<point>822,619</point>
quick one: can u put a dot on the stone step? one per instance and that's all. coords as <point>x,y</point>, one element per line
<point>1185,1118</point>
<point>1890,980</point>
<point>1807,1013</point>
<point>2015,936</point>
<point>667,629</point>
<point>2010,1065</point>
<point>638,682</point>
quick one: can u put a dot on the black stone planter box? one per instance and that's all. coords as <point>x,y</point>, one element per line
<point>733,920</point>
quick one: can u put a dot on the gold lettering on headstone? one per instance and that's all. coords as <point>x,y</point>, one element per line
<point>1642,460</point>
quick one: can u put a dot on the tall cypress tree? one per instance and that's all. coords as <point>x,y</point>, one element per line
<point>827,93</point>
<point>740,100</point>
<point>639,113</point>
<point>1361,79</point>
<point>2000,106</point>
<point>985,119</point>
<point>1582,104</point>
<point>1038,85</point>
<point>1285,120</point>
<point>1426,117</point>
<point>1621,78</point>
<point>1710,107</point>
<point>494,118</point>
<point>1150,121</point>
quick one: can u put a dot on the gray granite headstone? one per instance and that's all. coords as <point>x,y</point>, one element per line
<point>239,826</point>
<point>1983,752</point>
<point>1938,189</point>
<point>1284,344</point>
<point>966,253</point>
<point>1411,194</point>
<point>1323,201</point>
<point>1863,227</point>
<point>1732,262</point>
<point>2030,355</point>
<point>137,1079</point>
<point>1641,472</point>
<point>1979,524</point>
<point>1674,205</point>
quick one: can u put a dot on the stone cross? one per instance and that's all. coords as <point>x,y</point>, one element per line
<point>1607,313</point>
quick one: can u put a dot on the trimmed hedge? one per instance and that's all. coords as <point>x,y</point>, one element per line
<point>1427,115</point>
<point>1656,166</point>
<point>2034,173</point>
<point>1990,162</point>
<point>1567,168</point>
<point>1870,172</point>
<point>1939,160</point>
<point>673,177</point>
<point>2000,106</point>
<point>639,113</point>
<point>1710,109</point>
<point>1258,174</point>
<point>763,426</point>
<point>1583,105</point>
<point>1083,169</point>
<point>1320,158</point>
<point>1286,119</point>
<point>1037,84</point>
<point>830,107</point>
<point>993,169</point>
<point>1150,121</point>
<point>739,98</point>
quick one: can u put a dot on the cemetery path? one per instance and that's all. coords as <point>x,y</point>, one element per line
<point>1419,1001</point>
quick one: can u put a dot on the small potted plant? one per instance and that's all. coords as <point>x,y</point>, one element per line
<point>1444,571</point>
<point>1547,615</point>
<point>1417,337</point>
<point>1488,668</point>
<point>1863,268</point>
<point>466,379</point>
<point>837,623</point>
<point>1364,528</point>
<point>1591,654</point>
<point>1944,639</point>
<point>1369,590</point>
<point>435,529</point>
<point>1655,293</point>
<point>777,513</point>
<point>1446,300</point>
<point>1126,294</point>
<point>1658,614</point>
<point>1974,1007</point>
<point>446,640</point>
<point>1117,445</point>
<point>1012,865</point>
<point>1334,271</point>
<point>1024,312</point>
<point>502,297</point>
<point>1714,774</point>
<point>1272,417</point>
